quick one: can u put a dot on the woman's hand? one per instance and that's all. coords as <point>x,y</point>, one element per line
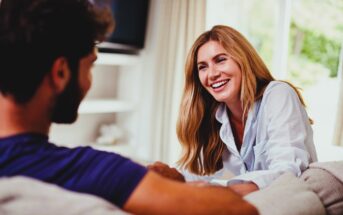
<point>166,171</point>
<point>245,188</point>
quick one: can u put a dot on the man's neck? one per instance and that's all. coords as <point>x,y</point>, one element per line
<point>22,118</point>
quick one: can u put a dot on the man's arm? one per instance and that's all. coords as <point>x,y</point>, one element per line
<point>171,173</point>
<point>158,195</point>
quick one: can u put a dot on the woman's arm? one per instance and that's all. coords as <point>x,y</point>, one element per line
<point>285,142</point>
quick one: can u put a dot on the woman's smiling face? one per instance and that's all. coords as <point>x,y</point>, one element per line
<point>219,74</point>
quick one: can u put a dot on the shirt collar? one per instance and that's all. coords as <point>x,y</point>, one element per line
<point>221,114</point>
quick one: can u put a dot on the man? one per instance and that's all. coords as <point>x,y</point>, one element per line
<point>46,54</point>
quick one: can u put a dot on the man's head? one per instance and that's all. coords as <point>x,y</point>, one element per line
<point>67,103</point>
<point>35,34</point>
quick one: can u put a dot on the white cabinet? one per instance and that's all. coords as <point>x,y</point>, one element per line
<point>112,100</point>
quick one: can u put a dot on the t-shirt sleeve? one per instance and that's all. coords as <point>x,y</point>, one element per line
<point>106,174</point>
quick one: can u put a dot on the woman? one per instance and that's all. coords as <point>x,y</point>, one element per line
<point>237,125</point>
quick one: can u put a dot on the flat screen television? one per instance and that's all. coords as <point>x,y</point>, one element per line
<point>130,26</point>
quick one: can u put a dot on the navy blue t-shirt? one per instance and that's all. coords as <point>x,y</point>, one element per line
<point>81,169</point>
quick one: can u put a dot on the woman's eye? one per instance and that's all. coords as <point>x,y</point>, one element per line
<point>201,68</point>
<point>221,59</point>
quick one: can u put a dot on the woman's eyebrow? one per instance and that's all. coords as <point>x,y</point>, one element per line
<point>214,57</point>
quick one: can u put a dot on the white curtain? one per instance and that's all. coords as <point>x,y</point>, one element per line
<point>182,22</point>
<point>338,132</point>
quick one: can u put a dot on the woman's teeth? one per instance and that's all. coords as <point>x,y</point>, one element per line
<point>219,84</point>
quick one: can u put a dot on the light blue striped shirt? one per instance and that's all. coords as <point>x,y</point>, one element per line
<point>277,138</point>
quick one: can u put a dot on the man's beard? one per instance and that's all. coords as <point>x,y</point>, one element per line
<point>67,103</point>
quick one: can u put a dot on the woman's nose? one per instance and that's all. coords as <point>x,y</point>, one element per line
<point>213,73</point>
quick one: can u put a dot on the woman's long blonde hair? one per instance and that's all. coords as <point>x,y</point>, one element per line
<point>197,128</point>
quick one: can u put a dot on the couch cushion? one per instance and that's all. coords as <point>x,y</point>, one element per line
<point>22,195</point>
<point>286,195</point>
<point>325,179</point>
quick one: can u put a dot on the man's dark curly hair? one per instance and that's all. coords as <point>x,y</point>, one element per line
<point>34,33</point>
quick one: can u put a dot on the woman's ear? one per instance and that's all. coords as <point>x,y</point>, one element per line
<point>60,74</point>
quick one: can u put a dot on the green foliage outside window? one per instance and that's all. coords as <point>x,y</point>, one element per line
<point>317,48</point>
<point>315,40</point>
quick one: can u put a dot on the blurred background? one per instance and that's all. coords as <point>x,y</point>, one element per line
<point>133,104</point>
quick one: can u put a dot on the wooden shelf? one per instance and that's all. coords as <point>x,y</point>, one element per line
<point>92,106</point>
<point>113,59</point>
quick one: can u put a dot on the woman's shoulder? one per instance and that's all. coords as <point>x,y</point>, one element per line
<point>277,88</point>
<point>280,93</point>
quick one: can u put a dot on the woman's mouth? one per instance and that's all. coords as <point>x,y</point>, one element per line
<point>219,84</point>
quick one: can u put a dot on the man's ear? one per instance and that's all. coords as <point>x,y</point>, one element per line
<point>59,74</point>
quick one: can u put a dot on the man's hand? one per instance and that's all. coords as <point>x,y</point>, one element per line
<point>166,171</point>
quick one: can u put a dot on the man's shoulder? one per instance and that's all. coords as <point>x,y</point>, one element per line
<point>33,147</point>
<point>39,143</point>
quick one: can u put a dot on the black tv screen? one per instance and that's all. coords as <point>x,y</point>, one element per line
<point>130,18</point>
